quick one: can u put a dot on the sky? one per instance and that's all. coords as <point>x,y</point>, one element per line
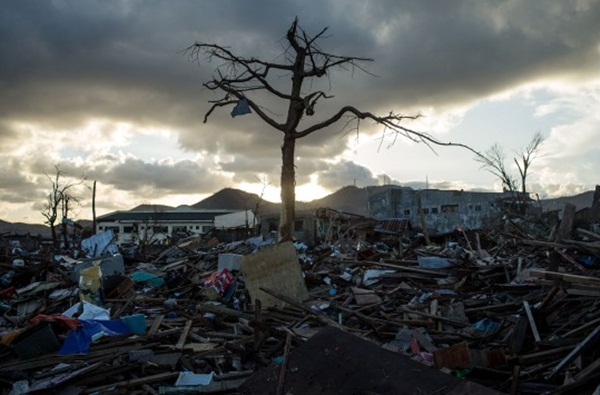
<point>104,91</point>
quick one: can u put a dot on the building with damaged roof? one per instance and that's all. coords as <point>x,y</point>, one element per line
<point>441,211</point>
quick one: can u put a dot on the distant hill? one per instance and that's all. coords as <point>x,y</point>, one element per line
<point>21,228</point>
<point>580,201</point>
<point>350,199</point>
<point>235,199</point>
<point>152,207</point>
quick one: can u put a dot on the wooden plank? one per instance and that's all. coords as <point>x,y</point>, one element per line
<point>565,277</point>
<point>283,369</point>
<point>184,335</point>
<point>589,341</point>
<point>155,325</point>
<point>591,368</point>
<point>134,382</point>
<point>532,323</point>
<point>514,385</point>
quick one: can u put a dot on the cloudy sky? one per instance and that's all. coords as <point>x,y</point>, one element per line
<point>103,90</point>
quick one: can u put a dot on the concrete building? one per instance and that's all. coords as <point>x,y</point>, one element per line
<point>441,211</point>
<point>157,226</point>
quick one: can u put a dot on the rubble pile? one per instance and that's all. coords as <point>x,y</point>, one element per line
<point>477,312</point>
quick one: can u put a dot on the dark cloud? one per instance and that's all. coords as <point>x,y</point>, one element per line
<point>16,186</point>
<point>158,178</point>
<point>346,173</point>
<point>75,59</point>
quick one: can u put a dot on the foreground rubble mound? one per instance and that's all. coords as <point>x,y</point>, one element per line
<point>472,312</point>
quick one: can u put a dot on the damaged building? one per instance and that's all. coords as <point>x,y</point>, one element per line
<point>323,224</point>
<point>440,211</point>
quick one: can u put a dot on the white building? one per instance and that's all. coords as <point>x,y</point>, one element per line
<point>151,226</point>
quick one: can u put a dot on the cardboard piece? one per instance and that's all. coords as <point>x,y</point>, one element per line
<point>275,268</point>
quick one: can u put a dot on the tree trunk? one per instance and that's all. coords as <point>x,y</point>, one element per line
<point>65,233</point>
<point>288,193</point>
<point>54,236</point>
<point>94,209</point>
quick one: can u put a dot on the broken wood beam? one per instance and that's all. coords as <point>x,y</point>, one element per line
<point>589,341</point>
<point>184,335</point>
<point>323,319</point>
<point>134,382</point>
<point>532,324</point>
<point>284,363</point>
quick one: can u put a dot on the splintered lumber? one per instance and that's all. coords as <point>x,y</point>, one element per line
<point>565,278</point>
<point>291,301</point>
<point>532,323</point>
<point>184,335</point>
<point>212,388</point>
<point>155,325</point>
<point>134,382</point>
<point>514,385</point>
<point>434,317</point>
<point>591,368</point>
<point>589,341</point>
<point>282,372</point>
<point>587,233</point>
<point>223,310</point>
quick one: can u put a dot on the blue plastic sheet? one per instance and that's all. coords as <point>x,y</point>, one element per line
<point>433,262</point>
<point>486,325</point>
<point>241,108</point>
<point>148,278</point>
<point>79,340</point>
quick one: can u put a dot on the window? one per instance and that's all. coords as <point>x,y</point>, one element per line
<point>128,229</point>
<point>298,225</point>
<point>425,210</point>
<point>434,210</point>
<point>179,229</point>
<point>478,207</point>
<point>407,212</point>
<point>450,208</point>
<point>160,229</point>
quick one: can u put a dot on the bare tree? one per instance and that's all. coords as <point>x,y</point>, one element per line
<point>58,202</point>
<point>493,160</point>
<point>304,61</point>
<point>265,183</point>
<point>526,156</point>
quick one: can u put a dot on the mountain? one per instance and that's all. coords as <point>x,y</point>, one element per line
<point>21,228</point>
<point>152,207</point>
<point>235,199</point>
<point>350,199</point>
<point>580,201</point>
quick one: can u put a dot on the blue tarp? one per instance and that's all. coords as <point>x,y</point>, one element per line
<point>78,340</point>
<point>241,108</point>
<point>148,278</point>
